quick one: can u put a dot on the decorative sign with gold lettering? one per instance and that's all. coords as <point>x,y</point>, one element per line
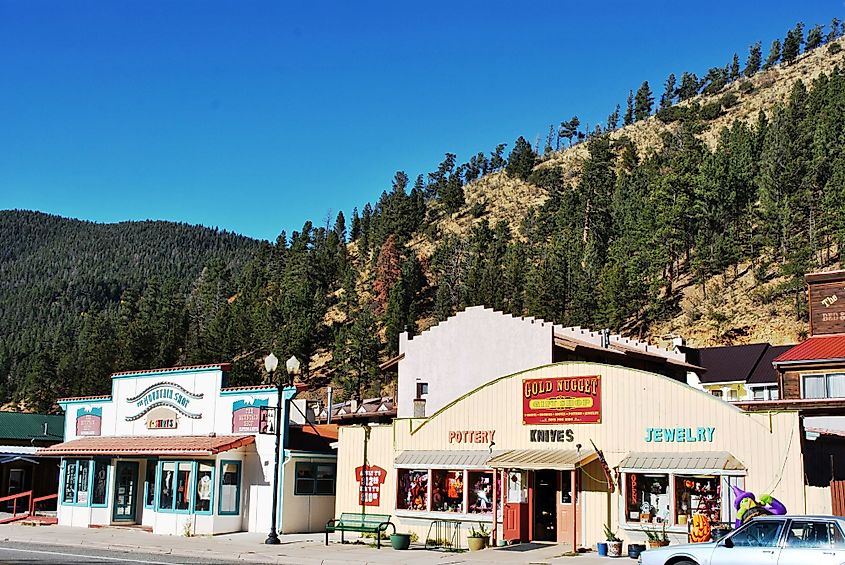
<point>562,400</point>
<point>827,303</point>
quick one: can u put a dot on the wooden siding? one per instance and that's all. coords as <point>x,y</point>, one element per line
<point>827,307</point>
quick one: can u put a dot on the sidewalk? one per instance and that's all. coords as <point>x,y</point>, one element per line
<point>295,549</point>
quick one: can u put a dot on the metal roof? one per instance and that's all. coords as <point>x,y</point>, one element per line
<point>541,458</point>
<point>432,459</point>
<point>148,445</point>
<point>816,348</point>
<point>22,426</point>
<point>695,461</point>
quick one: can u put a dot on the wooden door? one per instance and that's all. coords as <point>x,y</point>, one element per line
<point>515,519</point>
<point>837,495</point>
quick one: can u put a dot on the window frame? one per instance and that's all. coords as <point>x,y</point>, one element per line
<point>237,511</point>
<point>210,463</point>
<point>314,465</point>
<point>107,462</point>
<point>826,375</point>
<point>63,482</point>
<point>173,509</point>
<point>147,484</point>
<point>429,509</point>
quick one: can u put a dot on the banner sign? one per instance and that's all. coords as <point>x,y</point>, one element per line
<point>89,422</point>
<point>561,400</point>
<point>246,416</point>
<point>166,394</point>
<point>370,490</point>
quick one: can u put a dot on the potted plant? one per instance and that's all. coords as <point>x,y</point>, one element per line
<point>400,540</point>
<point>657,538</point>
<point>614,544</point>
<point>478,538</point>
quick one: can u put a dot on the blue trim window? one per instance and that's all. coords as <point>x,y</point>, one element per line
<point>150,484</point>
<point>77,482</point>
<point>100,483</point>
<point>230,488</point>
<point>315,478</point>
<point>204,487</point>
<point>174,492</point>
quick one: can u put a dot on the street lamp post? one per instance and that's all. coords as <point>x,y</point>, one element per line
<point>271,362</point>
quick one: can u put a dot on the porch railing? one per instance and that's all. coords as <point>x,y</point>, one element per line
<point>16,502</point>
<point>33,505</point>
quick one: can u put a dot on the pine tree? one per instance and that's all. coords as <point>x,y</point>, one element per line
<point>521,160</point>
<point>497,161</point>
<point>613,119</point>
<point>752,64</point>
<point>628,118</point>
<point>643,102</point>
<point>689,86</point>
<point>388,269</point>
<point>355,357</point>
<point>814,37</point>
<point>834,32</point>
<point>774,55</point>
<point>668,92</point>
<point>792,43</point>
<point>355,230</point>
<point>340,227</point>
<point>734,71</point>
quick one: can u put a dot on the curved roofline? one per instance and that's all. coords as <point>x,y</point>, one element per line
<point>589,363</point>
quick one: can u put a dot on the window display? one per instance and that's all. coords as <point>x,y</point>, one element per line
<point>697,495</point>
<point>647,498</point>
<point>412,491</point>
<point>480,491</point>
<point>101,470</point>
<point>82,481</point>
<point>205,480</point>
<point>447,491</point>
<point>165,494</point>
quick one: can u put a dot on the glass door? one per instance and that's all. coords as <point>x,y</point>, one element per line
<point>125,491</point>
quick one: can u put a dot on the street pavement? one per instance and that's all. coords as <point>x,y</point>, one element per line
<point>122,546</point>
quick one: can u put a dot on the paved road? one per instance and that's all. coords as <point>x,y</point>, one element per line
<point>14,553</point>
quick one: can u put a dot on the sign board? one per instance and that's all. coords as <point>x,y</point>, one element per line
<point>267,420</point>
<point>680,435</point>
<point>827,307</point>
<point>162,418</point>
<point>166,394</point>
<point>246,416</point>
<point>369,484</point>
<point>561,400</point>
<point>89,422</point>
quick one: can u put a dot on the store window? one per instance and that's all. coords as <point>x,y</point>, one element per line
<point>69,495</point>
<point>647,498</point>
<point>204,486</point>
<point>447,491</point>
<point>166,485</point>
<point>77,482</point>
<point>412,490</point>
<point>82,481</point>
<point>101,481</point>
<point>697,495</point>
<point>480,492</point>
<point>315,478</point>
<point>230,487</point>
<point>150,484</point>
<point>183,485</point>
<point>828,385</point>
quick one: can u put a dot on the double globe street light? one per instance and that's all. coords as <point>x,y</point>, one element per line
<point>271,363</point>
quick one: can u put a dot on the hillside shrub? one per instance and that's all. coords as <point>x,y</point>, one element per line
<point>746,86</point>
<point>834,48</point>
<point>729,100</point>
<point>710,111</point>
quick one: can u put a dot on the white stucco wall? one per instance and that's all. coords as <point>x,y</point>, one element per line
<point>461,353</point>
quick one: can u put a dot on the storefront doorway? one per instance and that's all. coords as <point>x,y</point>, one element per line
<point>125,491</point>
<point>545,505</point>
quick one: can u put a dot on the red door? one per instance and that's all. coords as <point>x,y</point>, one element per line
<point>515,509</point>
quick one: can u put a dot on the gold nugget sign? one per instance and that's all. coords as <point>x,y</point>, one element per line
<point>561,400</point>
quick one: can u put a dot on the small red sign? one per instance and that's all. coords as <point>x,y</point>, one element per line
<point>562,400</point>
<point>246,420</point>
<point>88,425</point>
<point>370,490</point>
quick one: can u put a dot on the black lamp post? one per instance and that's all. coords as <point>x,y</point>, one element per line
<point>271,362</point>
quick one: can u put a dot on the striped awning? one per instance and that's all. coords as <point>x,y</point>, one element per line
<point>431,459</point>
<point>700,462</point>
<point>541,458</point>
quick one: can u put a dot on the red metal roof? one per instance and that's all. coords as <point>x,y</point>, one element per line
<point>816,348</point>
<point>221,366</point>
<point>148,445</point>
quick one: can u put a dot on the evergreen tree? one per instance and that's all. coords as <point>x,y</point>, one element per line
<point>814,37</point>
<point>834,32</point>
<point>689,86</point>
<point>792,43</point>
<point>628,118</point>
<point>388,269</point>
<point>497,161</point>
<point>734,70</point>
<point>752,64</point>
<point>613,119</point>
<point>668,96</point>
<point>355,230</point>
<point>521,160</point>
<point>355,358</point>
<point>774,55</point>
<point>340,227</point>
<point>643,102</point>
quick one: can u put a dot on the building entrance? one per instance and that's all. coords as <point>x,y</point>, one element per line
<point>545,505</point>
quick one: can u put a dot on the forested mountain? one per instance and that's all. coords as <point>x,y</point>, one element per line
<point>729,185</point>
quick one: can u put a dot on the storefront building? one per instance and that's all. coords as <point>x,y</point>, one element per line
<point>556,452</point>
<point>176,452</point>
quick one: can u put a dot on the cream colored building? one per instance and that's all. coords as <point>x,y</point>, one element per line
<point>523,444</point>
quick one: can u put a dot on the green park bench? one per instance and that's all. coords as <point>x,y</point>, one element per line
<point>357,522</point>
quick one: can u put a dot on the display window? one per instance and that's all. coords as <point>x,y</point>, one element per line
<point>647,498</point>
<point>204,486</point>
<point>166,485</point>
<point>697,495</point>
<point>150,484</point>
<point>412,490</point>
<point>447,491</point>
<point>230,487</point>
<point>480,492</point>
<point>77,482</point>
<point>101,478</point>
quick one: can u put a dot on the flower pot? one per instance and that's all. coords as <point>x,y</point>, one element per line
<point>476,543</point>
<point>655,543</point>
<point>601,547</point>
<point>400,541</point>
<point>634,550</point>
<point>614,549</point>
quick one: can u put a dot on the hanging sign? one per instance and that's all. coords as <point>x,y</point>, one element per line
<point>370,489</point>
<point>561,400</point>
<point>246,415</point>
<point>89,422</point>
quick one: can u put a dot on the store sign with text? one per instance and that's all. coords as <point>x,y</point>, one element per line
<point>561,400</point>
<point>369,484</point>
<point>701,434</point>
<point>89,422</point>
<point>246,415</point>
<point>164,394</point>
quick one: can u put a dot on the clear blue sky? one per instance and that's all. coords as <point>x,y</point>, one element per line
<point>255,116</point>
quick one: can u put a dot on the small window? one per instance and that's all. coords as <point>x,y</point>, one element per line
<point>230,487</point>
<point>480,491</point>
<point>422,389</point>
<point>82,481</point>
<point>150,484</point>
<point>831,385</point>
<point>716,392</point>
<point>732,394</point>
<point>166,485</point>
<point>758,533</point>
<point>412,490</point>
<point>183,485</point>
<point>315,478</point>
<point>647,497</point>
<point>325,478</point>
<point>101,481</point>
<point>205,480</point>
<point>447,491</point>
<point>304,479</point>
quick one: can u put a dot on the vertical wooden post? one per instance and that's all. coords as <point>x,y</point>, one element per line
<point>572,497</point>
<point>495,500</point>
